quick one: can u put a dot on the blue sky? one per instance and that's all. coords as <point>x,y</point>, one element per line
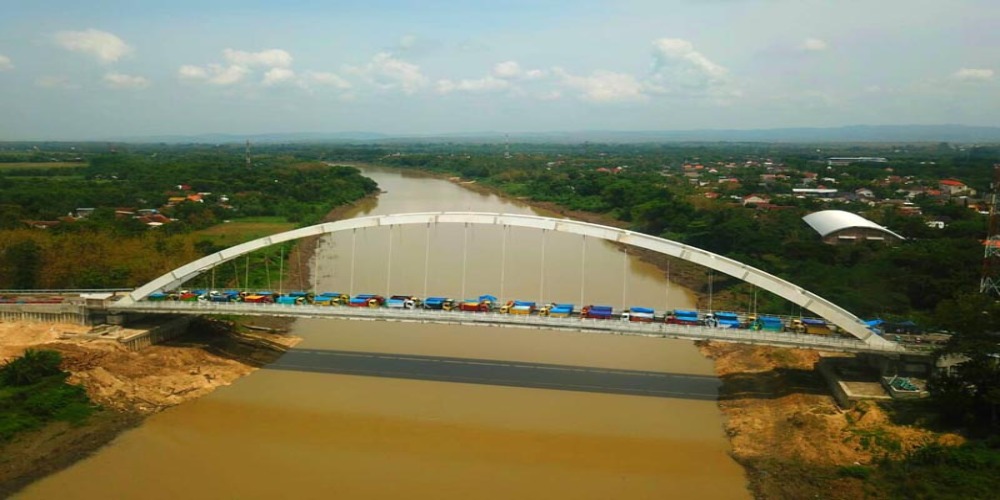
<point>98,69</point>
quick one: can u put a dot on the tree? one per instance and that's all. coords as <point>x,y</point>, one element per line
<point>30,368</point>
<point>24,258</point>
<point>970,393</point>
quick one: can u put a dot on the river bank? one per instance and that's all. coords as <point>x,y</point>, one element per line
<point>127,385</point>
<point>783,425</point>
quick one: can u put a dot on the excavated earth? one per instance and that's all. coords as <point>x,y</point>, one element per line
<point>788,432</point>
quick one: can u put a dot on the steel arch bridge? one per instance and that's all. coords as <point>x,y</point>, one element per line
<point>789,291</point>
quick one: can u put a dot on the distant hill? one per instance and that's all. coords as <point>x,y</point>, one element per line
<point>853,133</point>
<point>257,138</point>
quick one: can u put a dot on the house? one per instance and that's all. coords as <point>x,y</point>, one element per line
<point>755,199</point>
<point>954,186</point>
<point>802,192</point>
<point>42,224</point>
<point>864,193</point>
<point>153,220</point>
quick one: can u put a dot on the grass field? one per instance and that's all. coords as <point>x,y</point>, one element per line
<point>239,230</point>
<point>38,165</point>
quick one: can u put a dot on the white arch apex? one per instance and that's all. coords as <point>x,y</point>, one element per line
<point>749,274</point>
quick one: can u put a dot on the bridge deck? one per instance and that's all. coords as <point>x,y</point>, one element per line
<point>612,327</point>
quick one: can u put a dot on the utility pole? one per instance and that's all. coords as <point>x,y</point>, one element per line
<point>989,284</point>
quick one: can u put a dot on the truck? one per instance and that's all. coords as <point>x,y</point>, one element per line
<point>767,324</point>
<point>640,314</point>
<point>290,300</point>
<point>683,317</point>
<point>366,300</point>
<point>811,325</point>
<point>330,299</point>
<point>557,310</point>
<point>256,298</point>
<point>439,303</point>
<point>217,296</point>
<point>597,312</point>
<point>722,319</point>
<point>482,304</point>
<point>520,307</point>
<point>402,302</point>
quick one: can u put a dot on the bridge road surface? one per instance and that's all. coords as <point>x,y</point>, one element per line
<point>501,373</point>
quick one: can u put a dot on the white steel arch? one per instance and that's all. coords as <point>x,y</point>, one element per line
<point>789,291</point>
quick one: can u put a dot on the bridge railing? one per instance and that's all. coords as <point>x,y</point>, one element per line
<point>655,329</point>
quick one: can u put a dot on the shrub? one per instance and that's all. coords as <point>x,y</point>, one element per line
<point>30,368</point>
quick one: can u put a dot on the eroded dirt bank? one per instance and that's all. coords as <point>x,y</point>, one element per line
<point>127,385</point>
<point>788,432</point>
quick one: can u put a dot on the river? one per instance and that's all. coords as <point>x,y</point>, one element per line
<point>388,410</point>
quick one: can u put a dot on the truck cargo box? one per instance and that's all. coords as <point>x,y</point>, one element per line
<point>640,314</point>
<point>597,312</point>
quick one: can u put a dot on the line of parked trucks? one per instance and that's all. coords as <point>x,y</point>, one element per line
<point>489,303</point>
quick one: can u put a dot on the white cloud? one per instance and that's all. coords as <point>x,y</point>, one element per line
<point>55,82</point>
<point>973,75</point>
<point>226,75</point>
<point>680,69</point>
<point>190,72</point>
<point>240,64</point>
<point>511,70</point>
<point>123,81</point>
<point>388,72</point>
<point>213,73</point>
<point>488,83</point>
<point>603,86</point>
<point>533,74</point>
<point>675,50</point>
<point>814,45</point>
<point>325,79</point>
<point>106,47</point>
<point>276,76</point>
<point>507,69</point>
<point>5,63</point>
<point>271,58</point>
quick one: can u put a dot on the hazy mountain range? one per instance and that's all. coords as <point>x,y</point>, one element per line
<point>854,133</point>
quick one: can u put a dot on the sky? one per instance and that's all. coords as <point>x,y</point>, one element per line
<point>99,69</point>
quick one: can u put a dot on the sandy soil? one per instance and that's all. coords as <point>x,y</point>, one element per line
<point>152,379</point>
<point>789,433</point>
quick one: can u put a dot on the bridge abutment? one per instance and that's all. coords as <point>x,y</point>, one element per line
<point>46,313</point>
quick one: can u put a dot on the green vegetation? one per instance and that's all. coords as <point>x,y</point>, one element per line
<point>34,392</point>
<point>935,471</point>
<point>40,167</point>
<point>111,247</point>
<point>646,187</point>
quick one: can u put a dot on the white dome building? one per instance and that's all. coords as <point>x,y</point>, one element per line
<point>838,227</point>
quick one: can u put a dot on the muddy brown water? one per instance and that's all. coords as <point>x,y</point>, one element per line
<point>388,410</point>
